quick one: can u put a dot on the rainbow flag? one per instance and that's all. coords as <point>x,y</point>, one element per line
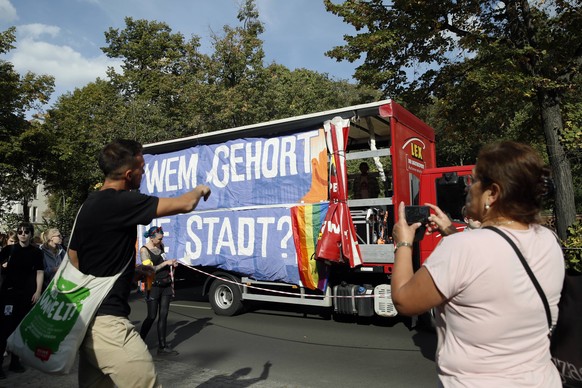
<point>306,221</point>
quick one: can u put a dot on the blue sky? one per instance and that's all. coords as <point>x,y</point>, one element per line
<point>63,37</point>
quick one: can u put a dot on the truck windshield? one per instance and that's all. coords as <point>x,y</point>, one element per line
<point>451,193</point>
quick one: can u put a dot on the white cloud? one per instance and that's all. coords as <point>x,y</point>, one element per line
<point>70,69</point>
<point>7,11</point>
<point>36,30</point>
<point>41,49</point>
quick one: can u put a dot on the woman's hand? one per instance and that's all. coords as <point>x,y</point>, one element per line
<point>439,221</point>
<point>171,263</point>
<point>412,292</point>
<point>402,232</point>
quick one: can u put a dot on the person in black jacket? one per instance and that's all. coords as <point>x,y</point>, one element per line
<point>23,270</point>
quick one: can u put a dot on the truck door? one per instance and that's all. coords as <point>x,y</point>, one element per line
<point>447,188</point>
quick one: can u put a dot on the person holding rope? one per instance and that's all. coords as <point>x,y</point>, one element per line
<point>152,254</point>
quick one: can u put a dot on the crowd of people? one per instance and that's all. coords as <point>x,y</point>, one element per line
<point>26,269</point>
<point>113,213</point>
<point>490,332</point>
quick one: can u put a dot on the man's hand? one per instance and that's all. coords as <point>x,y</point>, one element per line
<point>185,203</point>
<point>194,196</point>
<point>204,191</point>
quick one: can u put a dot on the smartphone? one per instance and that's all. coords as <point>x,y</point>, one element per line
<point>415,214</point>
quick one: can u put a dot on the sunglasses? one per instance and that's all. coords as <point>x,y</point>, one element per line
<point>23,231</point>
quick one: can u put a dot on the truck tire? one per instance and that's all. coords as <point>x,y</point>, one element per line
<point>225,298</point>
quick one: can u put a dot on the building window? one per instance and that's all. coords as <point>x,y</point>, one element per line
<point>34,214</point>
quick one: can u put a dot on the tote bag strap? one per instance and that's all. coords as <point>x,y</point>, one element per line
<point>73,230</point>
<point>68,261</point>
<point>529,272</point>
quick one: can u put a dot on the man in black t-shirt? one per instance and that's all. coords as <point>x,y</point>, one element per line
<point>102,244</point>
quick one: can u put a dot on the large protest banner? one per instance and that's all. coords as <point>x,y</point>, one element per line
<point>246,225</point>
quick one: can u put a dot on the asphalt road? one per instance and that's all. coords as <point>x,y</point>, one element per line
<point>274,346</point>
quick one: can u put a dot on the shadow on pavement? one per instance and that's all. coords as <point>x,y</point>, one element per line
<point>235,378</point>
<point>184,330</point>
<point>426,342</point>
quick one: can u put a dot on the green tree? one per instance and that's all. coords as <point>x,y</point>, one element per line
<point>80,124</point>
<point>509,65</point>
<point>167,89</point>
<point>246,91</point>
<point>21,140</point>
<point>301,91</point>
<point>158,66</point>
<point>76,128</point>
<point>235,73</point>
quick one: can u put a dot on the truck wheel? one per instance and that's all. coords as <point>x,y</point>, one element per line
<point>225,298</point>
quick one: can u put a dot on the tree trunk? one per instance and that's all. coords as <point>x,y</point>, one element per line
<point>25,210</point>
<point>560,165</point>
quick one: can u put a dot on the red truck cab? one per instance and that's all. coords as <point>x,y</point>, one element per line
<point>447,188</point>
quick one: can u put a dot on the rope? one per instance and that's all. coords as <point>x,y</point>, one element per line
<point>273,291</point>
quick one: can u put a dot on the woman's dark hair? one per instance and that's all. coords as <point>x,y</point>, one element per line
<point>117,156</point>
<point>522,176</point>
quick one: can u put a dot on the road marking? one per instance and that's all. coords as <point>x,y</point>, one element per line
<point>192,307</point>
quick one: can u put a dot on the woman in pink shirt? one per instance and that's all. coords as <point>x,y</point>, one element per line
<point>491,322</point>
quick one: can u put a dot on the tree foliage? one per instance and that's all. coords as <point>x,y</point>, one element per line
<point>167,89</point>
<point>22,142</point>
<point>573,248</point>
<point>486,70</point>
<point>158,65</point>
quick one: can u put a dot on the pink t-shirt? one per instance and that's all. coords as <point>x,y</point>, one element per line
<point>492,331</point>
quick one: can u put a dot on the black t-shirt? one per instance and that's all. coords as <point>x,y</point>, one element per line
<point>21,269</point>
<point>105,236</point>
